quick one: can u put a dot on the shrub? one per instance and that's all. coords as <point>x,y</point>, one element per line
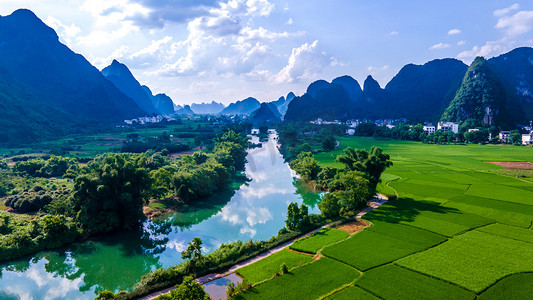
<point>284,269</point>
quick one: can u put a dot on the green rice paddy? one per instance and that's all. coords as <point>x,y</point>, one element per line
<point>267,267</point>
<point>459,230</point>
<point>315,242</point>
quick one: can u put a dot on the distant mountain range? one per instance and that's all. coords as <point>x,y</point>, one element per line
<point>243,107</point>
<point>207,108</point>
<point>495,92</point>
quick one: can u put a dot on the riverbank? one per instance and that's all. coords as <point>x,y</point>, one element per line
<point>378,200</point>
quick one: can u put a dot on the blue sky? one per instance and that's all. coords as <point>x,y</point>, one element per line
<point>204,50</point>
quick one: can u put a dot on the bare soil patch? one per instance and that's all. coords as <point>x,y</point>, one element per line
<point>353,227</point>
<point>513,165</point>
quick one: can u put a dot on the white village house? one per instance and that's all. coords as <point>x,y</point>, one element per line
<point>448,126</point>
<point>527,139</point>
<point>429,128</point>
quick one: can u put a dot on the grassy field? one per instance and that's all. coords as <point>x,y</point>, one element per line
<point>266,268</point>
<point>352,293</point>
<point>308,282</point>
<point>474,260</point>
<point>515,287</point>
<point>361,250</point>
<point>315,242</point>
<point>393,282</point>
<point>459,230</point>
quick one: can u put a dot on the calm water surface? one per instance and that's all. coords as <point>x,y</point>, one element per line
<point>255,209</point>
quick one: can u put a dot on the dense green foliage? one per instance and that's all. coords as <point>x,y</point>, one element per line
<point>480,101</point>
<point>371,164</point>
<point>20,237</point>
<point>330,206</point>
<point>306,166</point>
<point>296,138</point>
<point>55,166</point>
<point>113,193</point>
<point>35,199</point>
<point>189,289</point>
<point>297,217</point>
<point>266,268</point>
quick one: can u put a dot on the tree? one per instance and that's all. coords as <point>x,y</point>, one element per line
<point>329,206</point>
<point>515,137</point>
<point>193,253</point>
<point>478,136</point>
<point>296,217</point>
<point>306,166</point>
<point>113,193</point>
<point>372,163</point>
<point>352,189</point>
<point>189,289</point>
<point>329,143</point>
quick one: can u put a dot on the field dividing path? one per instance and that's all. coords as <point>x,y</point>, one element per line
<point>373,204</point>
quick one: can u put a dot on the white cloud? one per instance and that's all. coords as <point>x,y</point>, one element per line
<point>504,11</point>
<point>110,22</point>
<point>394,33</point>
<point>439,46</point>
<point>66,33</point>
<point>490,48</point>
<point>217,43</point>
<point>513,28</point>
<point>517,24</point>
<point>289,21</point>
<point>461,42</point>
<point>305,63</point>
<point>374,69</point>
<point>454,31</point>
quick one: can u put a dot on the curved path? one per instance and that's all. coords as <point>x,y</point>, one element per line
<point>378,200</point>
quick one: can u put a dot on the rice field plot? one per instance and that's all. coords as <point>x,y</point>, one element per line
<point>407,233</point>
<point>502,193</point>
<point>267,267</point>
<point>428,188</point>
<point>474,260</point>
<point>464,177</point>
<point>394,282</point>
<point>383,188</point>
<point>515,233</point>
<point>307,282</point>
<point>318,240</point>
<point>496,178</point>
<point>369,249</point>
<point>501,211</point>
<point>427,215</point>
<point>352,293</point>
<point>514,287</point>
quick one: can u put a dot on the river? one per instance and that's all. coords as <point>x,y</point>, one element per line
<point>255,208</point>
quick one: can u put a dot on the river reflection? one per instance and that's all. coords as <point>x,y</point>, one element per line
<point>255,209</point>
